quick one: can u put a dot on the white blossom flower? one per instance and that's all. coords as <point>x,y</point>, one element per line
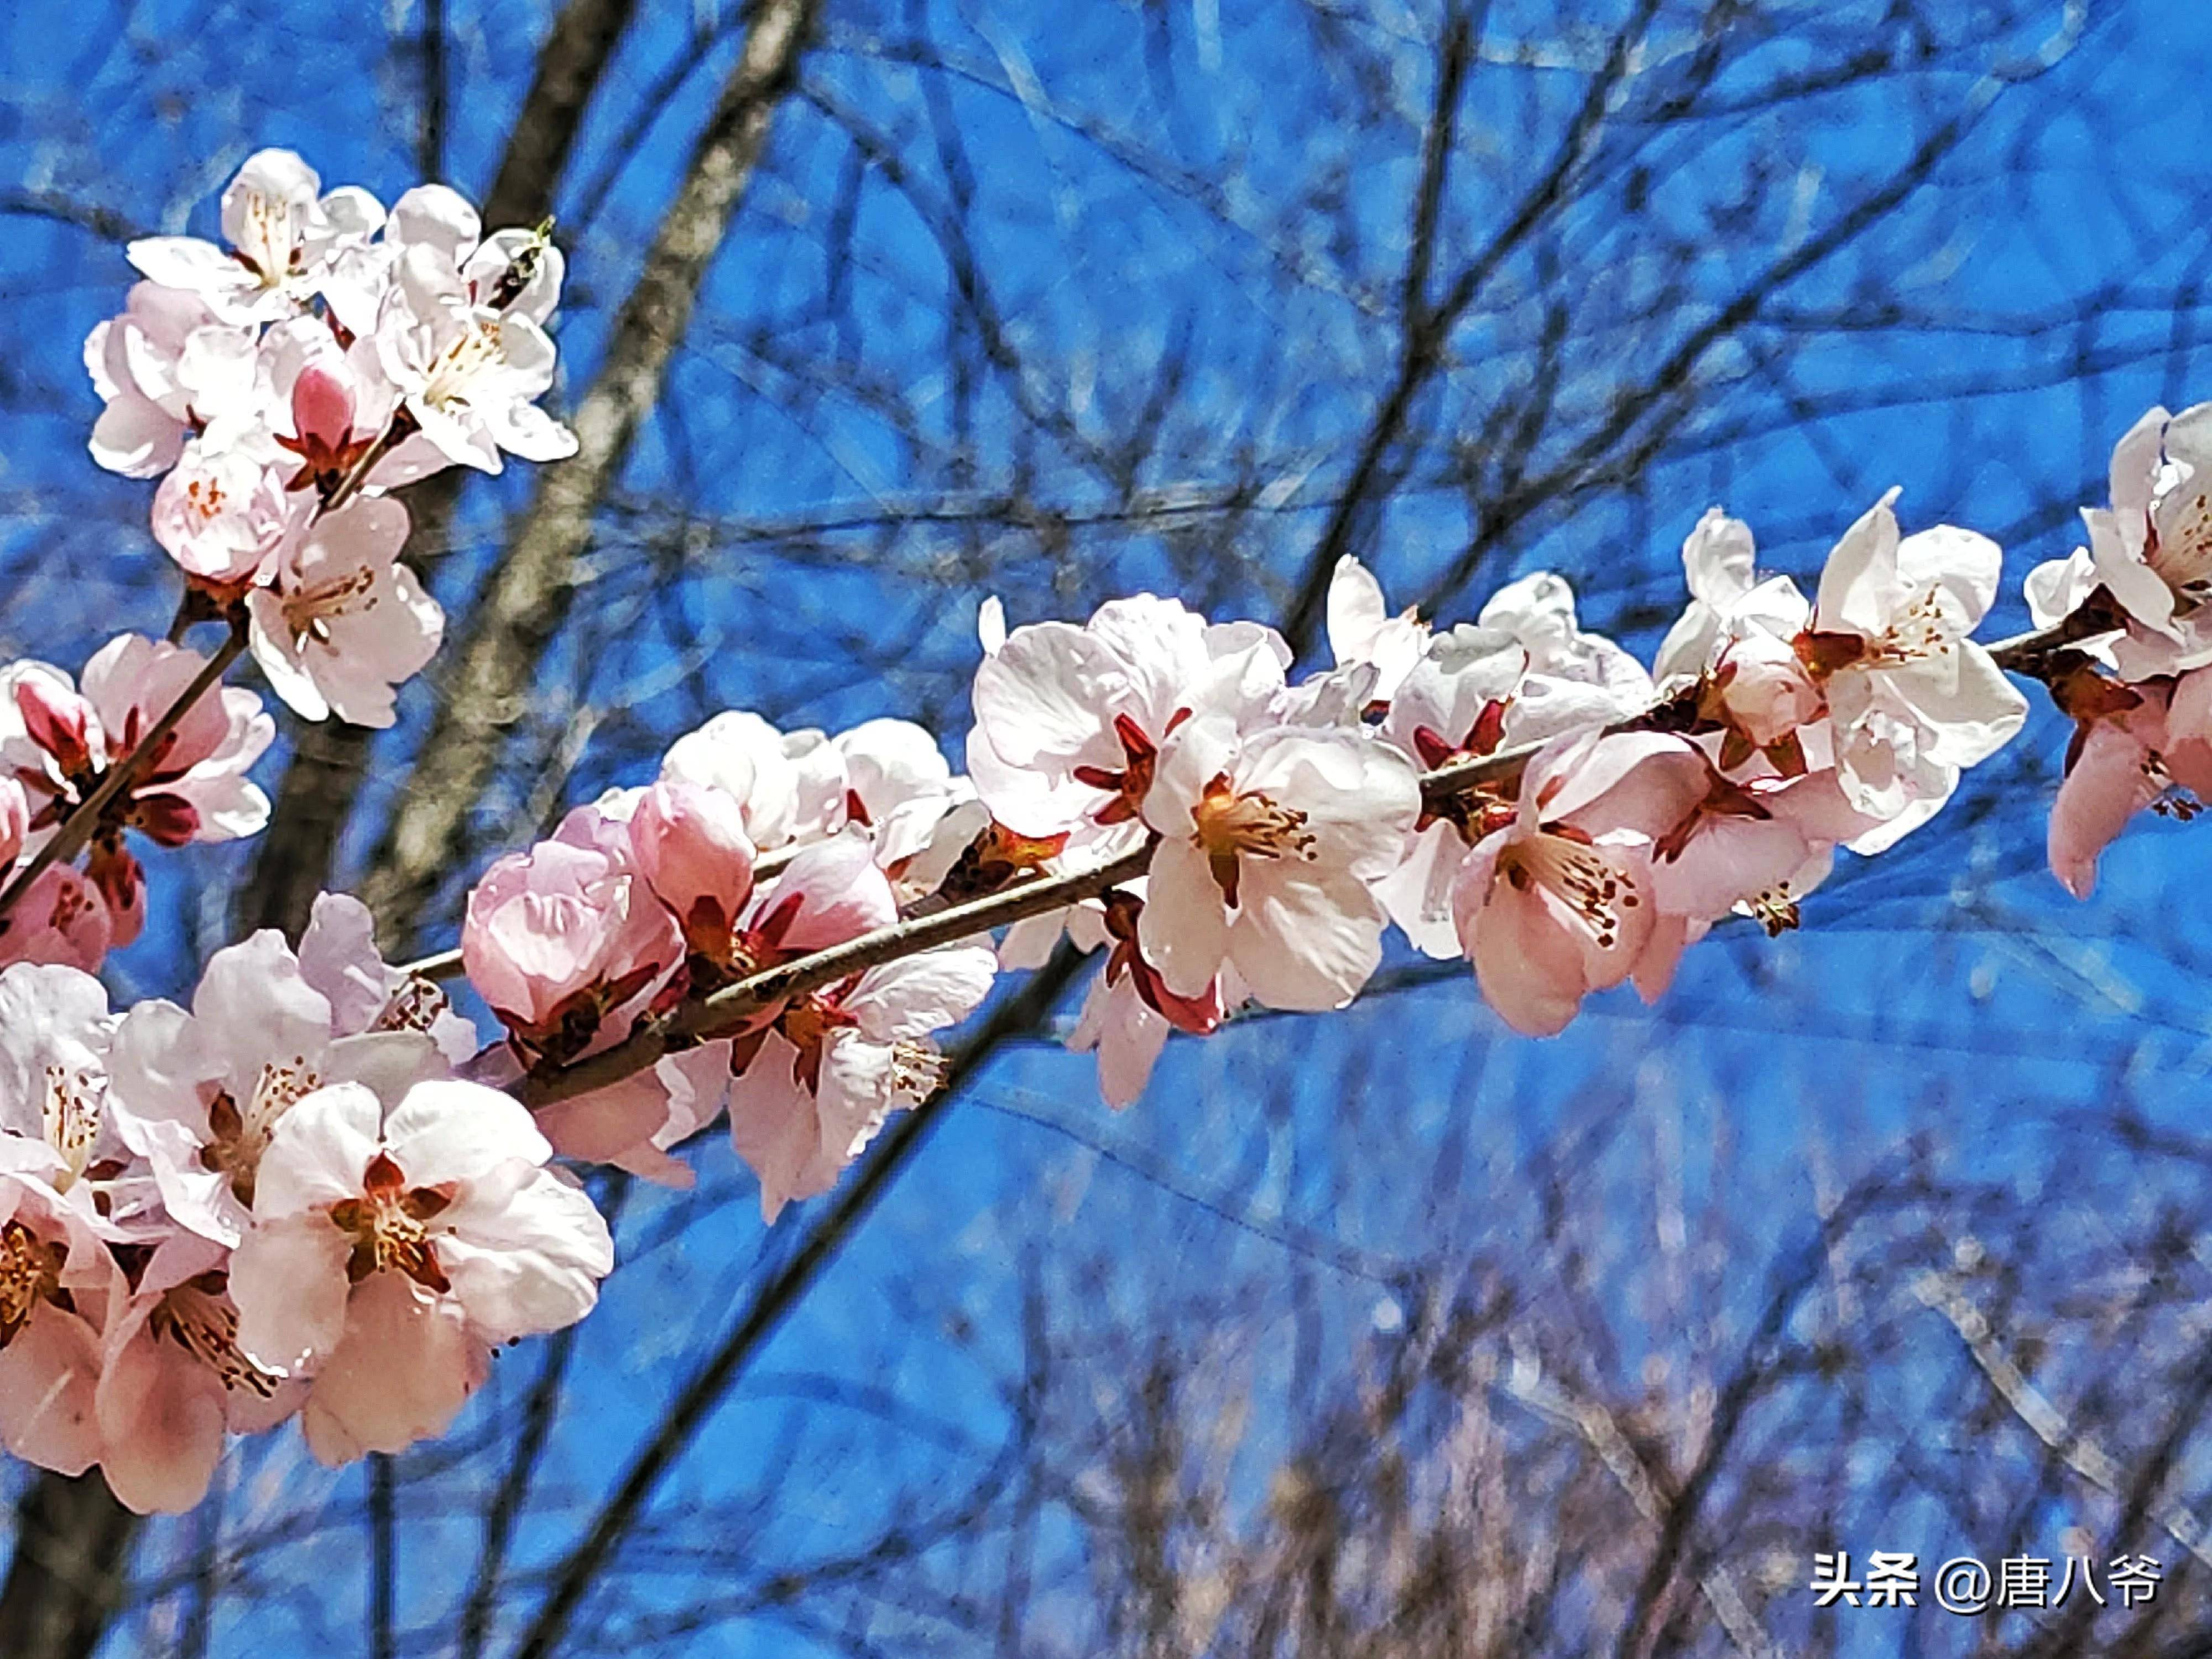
<point>1913,700</point>
<point>388,1256</point>
<point>342,623</point>
<point>1268,844</point>
<point>282,231</point>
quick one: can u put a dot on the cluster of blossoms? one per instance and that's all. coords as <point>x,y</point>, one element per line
<point>282,1201</point>
<point>315,1192</point>
<point>279,388</point>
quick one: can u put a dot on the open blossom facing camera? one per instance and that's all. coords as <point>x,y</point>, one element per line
<point>389,1255</point>
<point>283,233</point>
<point>1069,721</point>
<point>341,623</point>
<point>202,1094</point>
<point>1269,845</point>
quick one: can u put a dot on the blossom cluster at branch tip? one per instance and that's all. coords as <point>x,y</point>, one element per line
<point>312,1193</point>
<point>280,388</point>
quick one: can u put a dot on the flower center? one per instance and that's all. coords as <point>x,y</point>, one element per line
<point>309,611</point>
<point>1923,628</point>
<point>30,1272</point>
<point>386,1224</point>
<point>241,1135</point>
<point>1596,892</point>
<point>1230,827</point>
<point>205,497</point>
<point>198,1316</point>
<point>1773,908</point>
<point>917,1069</point>
<point>473,352</point>
<point>271,243</point>
<point>71,1119</point>
<point>1128,786</point>
<point>2180,541</point>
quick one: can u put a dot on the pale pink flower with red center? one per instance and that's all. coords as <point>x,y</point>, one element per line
<point>812,1088</point>
<point>222,514</point>
<point>469,371</point>
<point>173,1382</point>
<point>389,1257</point>
<point>2146,746</point>
<point>1129,1011</point>
<point>567,942</point>
<point>202,1094</point>
<point>57,742</point>
<point>61,918</point>
<point>1734,644</point>
<point>341,624</point>
<point>1754,849</point>
<point>1069,721</point>
<point>1268,848</point>
<point>1550,909</point>
<point>1912,699</point>
<point>55,1123</point>
<point>57,1281</point>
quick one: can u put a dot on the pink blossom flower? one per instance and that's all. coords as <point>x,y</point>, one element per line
<point>1069,721</point>
<point>56,1283</point>
<point>55,1123</point>
<point>61,918</point>
<point>566,942</point>
<point>58,743</point>
<point>1913,700</point>
<point>813,1087</point>
<point>690,845</point>
<point>1269,845</point>
<point>173,1382</point>
<point>222,514</point>
<point>201,1094</point>
<point>341,623</point>
<point>1735,645</point>
<point>468,372</point>
<point>2134,747</point>
<point>1550,909</point>
<point>388,1256</point>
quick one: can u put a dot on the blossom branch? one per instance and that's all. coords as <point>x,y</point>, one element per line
<point>726,1011</point>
